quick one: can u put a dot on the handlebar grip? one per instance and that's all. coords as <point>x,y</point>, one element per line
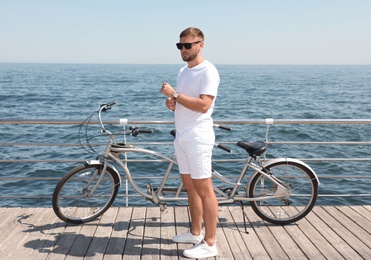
<point>225,148</point>
<point>135,131</point>
<point>107,106</point>
<point>111,103</point>
<point>223,127</point>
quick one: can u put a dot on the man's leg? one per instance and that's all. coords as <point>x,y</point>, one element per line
<point>204,188</point>
<point>195,205</point>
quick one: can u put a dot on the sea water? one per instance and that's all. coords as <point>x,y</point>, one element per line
<point>74,91</point>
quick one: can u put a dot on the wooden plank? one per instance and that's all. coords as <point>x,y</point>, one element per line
<point>229,238</point>
<point>324,223</point>
<point>251,240</point>
<point>269,242</point>
<point>103,231</point>
<point>289,237</point>
<point>364,218</point>
<point>4,215</point>
<point>27,218</point>
<point>133,245</point>
<point>82,241</point>
<point>368,207</point>
<point>353,234</point>
<point>321,244</point>
<point>295,243</point>
<point>182,222</point>
<point>32,230</point>
<point>152,234</point>
<point>118,238</point>
<point>360,220</point>
<point>64,242</point>
<point>51,228</point>
<point>10,222</point>
<point>327,232</point>
<point>168,247</point>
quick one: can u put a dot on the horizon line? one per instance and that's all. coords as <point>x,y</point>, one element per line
<point>231,64</point>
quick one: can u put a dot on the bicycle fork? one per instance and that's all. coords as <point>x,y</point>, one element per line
<point>99,171</point>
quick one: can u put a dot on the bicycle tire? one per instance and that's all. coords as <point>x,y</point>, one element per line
<point>71,204</point>
<point>303,186</point>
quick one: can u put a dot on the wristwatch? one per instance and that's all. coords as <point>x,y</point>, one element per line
<point>176,94</point>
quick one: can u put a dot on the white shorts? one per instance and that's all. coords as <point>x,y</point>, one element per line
<point>194,158</point>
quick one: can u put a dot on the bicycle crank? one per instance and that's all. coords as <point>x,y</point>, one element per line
<point>151,192</point>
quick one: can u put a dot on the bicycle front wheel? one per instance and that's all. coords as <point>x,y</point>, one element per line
<point>85,193</point>
<point>291,205</point>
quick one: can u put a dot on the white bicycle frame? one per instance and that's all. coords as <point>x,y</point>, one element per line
<point>230,195</point>
<point>155,195</point>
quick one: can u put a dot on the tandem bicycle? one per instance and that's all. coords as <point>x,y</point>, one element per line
<point>280,191</point>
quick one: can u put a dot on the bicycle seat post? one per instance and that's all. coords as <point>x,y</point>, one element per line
<point>124,122</point>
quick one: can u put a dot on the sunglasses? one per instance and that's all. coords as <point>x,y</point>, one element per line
<point>187,45</point>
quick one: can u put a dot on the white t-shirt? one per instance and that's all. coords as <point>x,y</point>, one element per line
<point>191,125</point>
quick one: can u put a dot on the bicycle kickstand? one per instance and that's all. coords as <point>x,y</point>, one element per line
<point>244,217</point>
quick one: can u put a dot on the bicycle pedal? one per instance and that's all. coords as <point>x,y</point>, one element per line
<point>287,202</point>
<point>163,207</point>
<point>228,191</point>
<point>149,189</point>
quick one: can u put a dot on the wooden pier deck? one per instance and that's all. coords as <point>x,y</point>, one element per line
<point>329,232</point>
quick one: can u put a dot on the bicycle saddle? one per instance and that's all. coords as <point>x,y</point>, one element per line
<point>253,149</point>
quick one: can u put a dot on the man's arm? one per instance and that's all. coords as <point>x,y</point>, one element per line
<point>200,104</point>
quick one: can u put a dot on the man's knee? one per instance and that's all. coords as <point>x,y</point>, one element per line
<point>188,182</point>
<point>203,187</point>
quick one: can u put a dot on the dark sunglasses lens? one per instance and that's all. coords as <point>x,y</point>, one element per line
<point>188,45</point>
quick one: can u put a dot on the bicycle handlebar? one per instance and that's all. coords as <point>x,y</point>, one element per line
<point>103,108</point>
<point>225,148</point>
<point>223,127</point>
<point>107,106</point>
<point>135,130</point>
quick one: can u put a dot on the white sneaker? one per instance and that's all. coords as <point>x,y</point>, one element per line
<point>189,238</point>
<point>201,250</point>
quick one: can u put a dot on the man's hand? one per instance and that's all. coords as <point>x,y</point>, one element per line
<point>167,89</point>
<point>170,103</point>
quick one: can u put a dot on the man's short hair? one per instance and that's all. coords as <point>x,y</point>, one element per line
<point>192,31</point>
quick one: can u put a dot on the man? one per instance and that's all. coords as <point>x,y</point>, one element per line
<point>193,104</point>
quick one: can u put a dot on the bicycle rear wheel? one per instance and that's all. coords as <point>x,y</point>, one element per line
<point>73,199</point>
<point>293,205</point>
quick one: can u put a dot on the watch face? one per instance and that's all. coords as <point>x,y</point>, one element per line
<point>176,94</point>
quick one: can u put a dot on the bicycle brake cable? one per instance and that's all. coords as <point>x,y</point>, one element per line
<point>86,122</point>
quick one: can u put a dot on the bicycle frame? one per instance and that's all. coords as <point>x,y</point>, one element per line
<point>113,150</point>
<point>272,189</point>
<point>155,196</point>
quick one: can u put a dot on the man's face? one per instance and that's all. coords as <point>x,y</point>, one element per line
<point>190,54</point>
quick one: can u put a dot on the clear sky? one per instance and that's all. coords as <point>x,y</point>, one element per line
<point>145,31</point>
